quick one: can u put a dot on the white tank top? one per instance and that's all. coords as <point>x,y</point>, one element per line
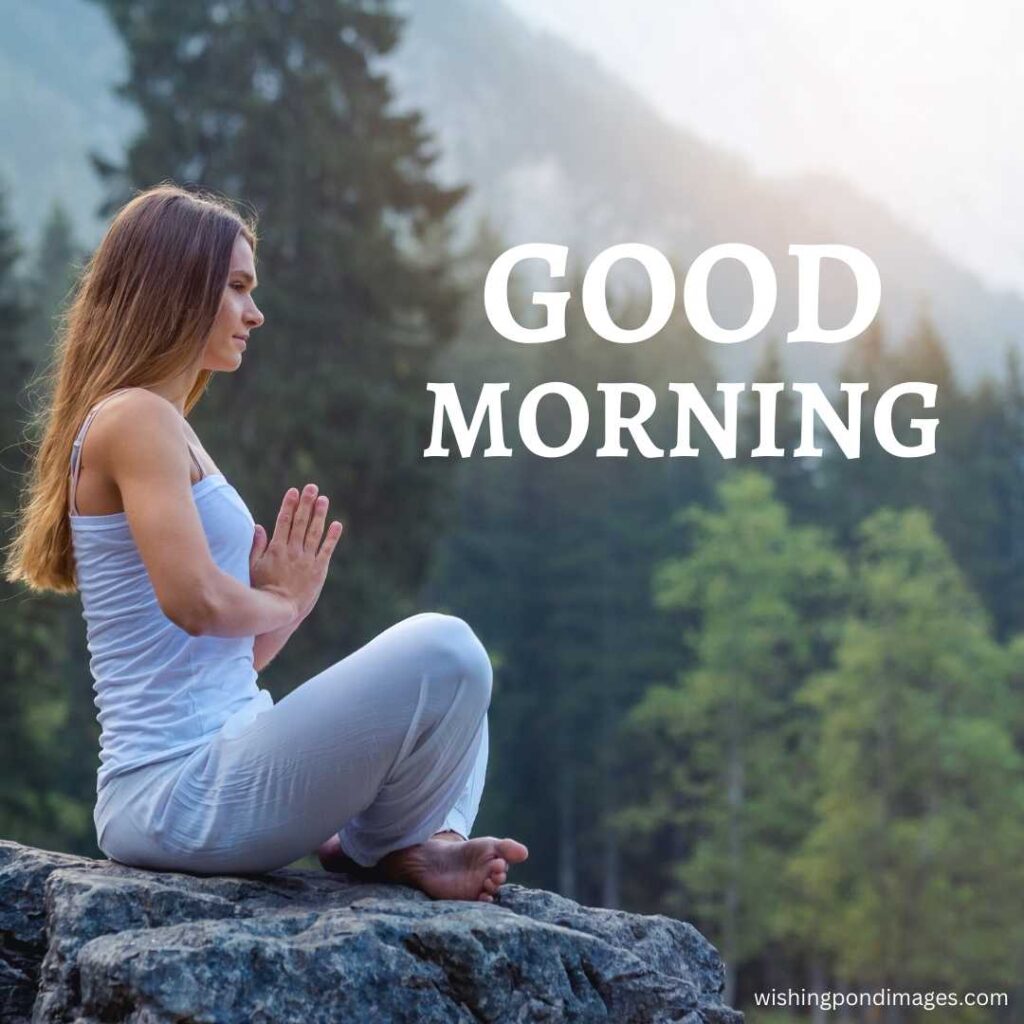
<point>160,692</point>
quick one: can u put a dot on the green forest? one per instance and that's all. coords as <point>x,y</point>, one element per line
<point>782,699</point>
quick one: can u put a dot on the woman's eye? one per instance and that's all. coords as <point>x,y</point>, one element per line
<point>238,286</point>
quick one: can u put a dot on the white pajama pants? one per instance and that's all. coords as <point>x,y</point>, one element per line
<point>385,747</point>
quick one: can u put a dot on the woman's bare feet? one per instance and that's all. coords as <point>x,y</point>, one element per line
<point>333,857</point>
<point>449,868</point>
<point>445,867</point>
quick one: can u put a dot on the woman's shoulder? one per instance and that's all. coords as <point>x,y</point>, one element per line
<point>135,418</point>
<point>126,404</point>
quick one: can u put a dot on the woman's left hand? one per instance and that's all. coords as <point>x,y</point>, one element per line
<point>259,545</point>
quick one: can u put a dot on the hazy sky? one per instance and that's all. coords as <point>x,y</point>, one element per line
<point>917,102</point>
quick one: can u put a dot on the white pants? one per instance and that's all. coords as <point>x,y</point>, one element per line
<point>385,747</point>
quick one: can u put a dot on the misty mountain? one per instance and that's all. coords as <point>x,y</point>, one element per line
<point>559,150</point>
<point>555,149</point>
<point>58,62</point>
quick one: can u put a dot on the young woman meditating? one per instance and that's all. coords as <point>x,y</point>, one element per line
<point>377,761</point>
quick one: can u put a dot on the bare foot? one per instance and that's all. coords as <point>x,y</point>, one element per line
<point>449,868</point>
<point>450,835</point>
<point>334,858</point>
<point>473,869</point>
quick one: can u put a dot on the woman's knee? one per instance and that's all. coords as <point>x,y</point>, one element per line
<point>451,642</point>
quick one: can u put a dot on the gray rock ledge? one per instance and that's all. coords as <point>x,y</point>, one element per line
<point>86,941</point>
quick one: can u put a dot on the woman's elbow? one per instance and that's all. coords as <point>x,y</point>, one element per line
<point>192,612</point>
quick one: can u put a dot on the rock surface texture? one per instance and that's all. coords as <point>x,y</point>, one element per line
<point>85,941</point>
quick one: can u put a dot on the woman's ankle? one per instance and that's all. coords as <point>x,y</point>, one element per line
<point>449,835</point>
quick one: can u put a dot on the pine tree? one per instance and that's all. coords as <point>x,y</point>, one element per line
<point>854,488</point>
<point>989,505</point>
<point>914,858</point>
<point>51,279</point>
<point>33,693</point>
<point>11,317</point>
<point>796,481</point>
<point>923,482</point>
<point>766,596</point>
<point>281,106</point>
<point>13,364</point>
<point>1007,600</point>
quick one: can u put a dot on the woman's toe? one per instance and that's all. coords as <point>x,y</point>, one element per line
<point>486,897</point>
<point>490,885</point>
<point>512,850</point>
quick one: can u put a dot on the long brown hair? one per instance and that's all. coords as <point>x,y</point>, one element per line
<point>141,313</point>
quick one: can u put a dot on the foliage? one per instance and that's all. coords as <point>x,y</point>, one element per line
<point>33,800</point>
<point>912,862</point>
<point>767,595</point>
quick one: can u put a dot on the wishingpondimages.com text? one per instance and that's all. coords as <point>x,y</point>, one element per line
<point>829,1001</point>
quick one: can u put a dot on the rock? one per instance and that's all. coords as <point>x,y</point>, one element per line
<point>85,941</point>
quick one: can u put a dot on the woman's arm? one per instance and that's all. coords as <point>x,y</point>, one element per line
<point>267,646</point>
<point>138,440</point>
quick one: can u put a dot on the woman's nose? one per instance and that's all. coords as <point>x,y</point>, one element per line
<point>254,317</point>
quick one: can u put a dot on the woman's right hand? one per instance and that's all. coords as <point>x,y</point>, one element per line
<point>294,563</point>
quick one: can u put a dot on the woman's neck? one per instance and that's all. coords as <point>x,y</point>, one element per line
<point>176,390</point>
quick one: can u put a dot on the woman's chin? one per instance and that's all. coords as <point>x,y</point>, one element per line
<point>224,365</point>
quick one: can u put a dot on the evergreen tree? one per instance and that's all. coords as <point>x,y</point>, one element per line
<point>281,105</point>
<point>12,747</point>
<point>914,857</point>
<point>854,488</point>
<point>51,279</point>
<point>766,595</point>
<point>65,791</point>
<point>972,486</point>
<point>988,504</point>
<point>13,364</point>
<point>923,482</point>
<point>1007,600</point>
<point>33,693</point>
<point>797,482</point>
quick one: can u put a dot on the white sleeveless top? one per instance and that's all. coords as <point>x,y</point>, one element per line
<point>160,692</point>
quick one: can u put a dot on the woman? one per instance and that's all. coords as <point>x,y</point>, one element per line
<point>377,761</point>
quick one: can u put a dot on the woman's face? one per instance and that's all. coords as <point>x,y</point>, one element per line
<point>238,314</point>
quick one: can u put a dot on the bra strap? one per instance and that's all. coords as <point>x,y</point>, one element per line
<point>76,447</point>
<point>199,465</point>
